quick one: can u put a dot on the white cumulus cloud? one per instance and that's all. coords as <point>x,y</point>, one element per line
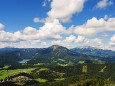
<point>104,3</point>
<point>64,9</point>
<point>94,26</point>
<point>1,26</point>
<point>37,20</point>
<point>112,41</point>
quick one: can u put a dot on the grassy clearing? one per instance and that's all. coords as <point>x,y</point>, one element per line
<point>61,60</point>
<point>6,73</point>
<point>6,67</point>
<point>63,64</point>
<point>41,80</point>
<point>81,62</point>
<point>42,69</point>
<point>59,79</point>
<point>102,70</point>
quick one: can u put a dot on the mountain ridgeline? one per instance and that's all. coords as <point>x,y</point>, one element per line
<point>107,55</point>
<point>94,51</point>
<point>11,56</point>
<point>55,55</point>
<point>57,66</point>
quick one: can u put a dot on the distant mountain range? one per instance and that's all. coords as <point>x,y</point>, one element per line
<point>107,55</point>
<point>94,51</point>
<point>56,55</point>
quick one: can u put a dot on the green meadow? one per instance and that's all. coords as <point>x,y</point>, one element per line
<point>6,73</point>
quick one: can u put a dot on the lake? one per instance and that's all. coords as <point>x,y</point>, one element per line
<point>24,61</point>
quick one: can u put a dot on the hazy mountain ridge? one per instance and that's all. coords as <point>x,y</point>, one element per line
<point>106,55</point>
<point>94,51</point>
<point>55,52</point>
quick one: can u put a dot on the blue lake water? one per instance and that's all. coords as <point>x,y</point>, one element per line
<point>24,61</point>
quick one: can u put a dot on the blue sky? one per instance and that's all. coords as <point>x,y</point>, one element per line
<point>23,23</point>
<point>17,14</point>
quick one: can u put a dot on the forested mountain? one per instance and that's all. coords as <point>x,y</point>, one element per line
<point>58,54</point>
<point>24,53</point>
<point>94,51</point>
<point>14,55</point>
<point>56,66</point>
<point>9,58</point>
<point>55,54</point>
<point>106,55</point>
